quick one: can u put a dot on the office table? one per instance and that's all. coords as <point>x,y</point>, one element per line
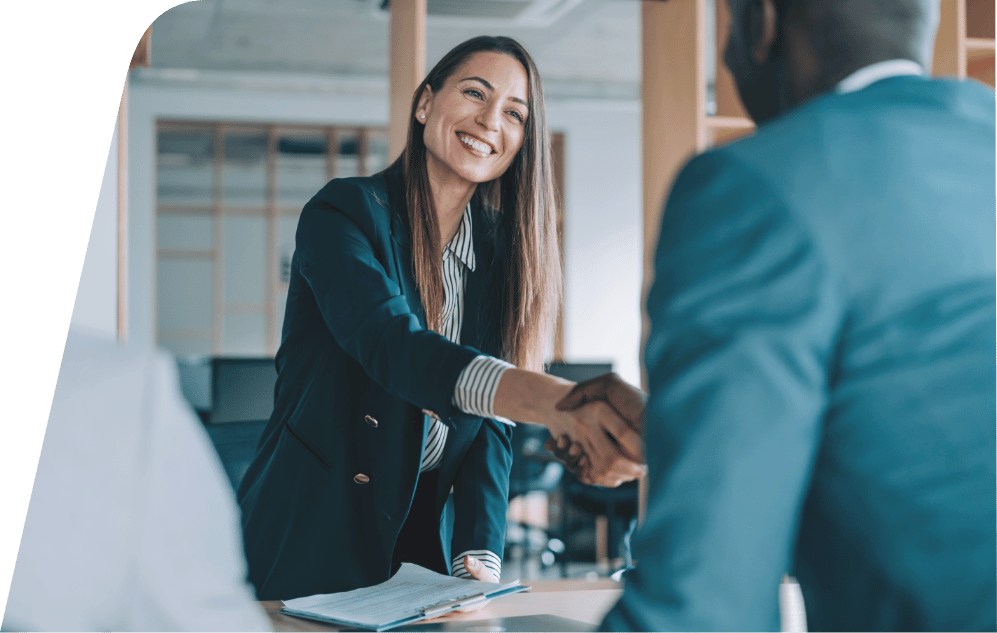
<point>579,599</point>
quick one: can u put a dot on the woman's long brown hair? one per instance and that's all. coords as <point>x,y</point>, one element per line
<point>530,282</point>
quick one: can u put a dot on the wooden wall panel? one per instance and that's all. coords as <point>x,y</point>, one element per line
<point>673,99</point>
<point>728,101</point>
<point>950,42</point>
<point>407,57</point>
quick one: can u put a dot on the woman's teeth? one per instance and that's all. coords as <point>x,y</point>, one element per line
<point>475,144</point>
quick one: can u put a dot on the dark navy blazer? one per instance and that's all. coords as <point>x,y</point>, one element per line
<point>821,369</point>
<point>356,367</point>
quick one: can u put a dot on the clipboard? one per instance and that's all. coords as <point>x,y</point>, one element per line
<point>411,595</point>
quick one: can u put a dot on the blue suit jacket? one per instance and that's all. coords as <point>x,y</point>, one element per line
<point>821,365</point>
<point>354,344</point>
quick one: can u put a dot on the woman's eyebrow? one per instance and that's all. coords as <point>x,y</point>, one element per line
<point>491,87</point>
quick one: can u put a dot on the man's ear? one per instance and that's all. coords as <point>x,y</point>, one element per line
<point>764,20</point>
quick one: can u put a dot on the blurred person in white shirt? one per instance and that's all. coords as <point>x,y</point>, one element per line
<point>132,524</point>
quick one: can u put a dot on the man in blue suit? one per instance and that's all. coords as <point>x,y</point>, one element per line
<point>821,356</point>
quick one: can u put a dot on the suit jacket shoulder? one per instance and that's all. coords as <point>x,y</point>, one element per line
<point>363,200</point>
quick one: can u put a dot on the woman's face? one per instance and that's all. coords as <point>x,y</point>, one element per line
<point>475,124</point>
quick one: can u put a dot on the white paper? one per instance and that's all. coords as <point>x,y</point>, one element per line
<point>405,595</point>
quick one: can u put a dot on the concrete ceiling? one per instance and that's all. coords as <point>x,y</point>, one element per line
<point>583,47</point>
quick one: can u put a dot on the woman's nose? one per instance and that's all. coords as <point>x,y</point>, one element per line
<point>488,117</point>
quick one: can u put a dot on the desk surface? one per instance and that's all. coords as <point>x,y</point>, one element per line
<point>576,600</point>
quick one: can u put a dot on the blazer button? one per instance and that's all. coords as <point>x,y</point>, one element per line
<point>431,414</point>
<point>361,478</point>
<point>371,421</point>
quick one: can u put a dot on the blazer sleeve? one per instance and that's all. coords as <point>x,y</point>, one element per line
<point>481,491</point>
<point>744,317</point>
<point>363,308</point>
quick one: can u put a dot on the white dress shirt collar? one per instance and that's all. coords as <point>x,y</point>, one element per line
<point>875,72</point>
<point>462,244</point>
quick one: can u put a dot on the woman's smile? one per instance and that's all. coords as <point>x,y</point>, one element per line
<point>475,145</point>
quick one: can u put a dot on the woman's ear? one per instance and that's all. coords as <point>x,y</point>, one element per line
<point>764,20</point>
<point>425,104</point>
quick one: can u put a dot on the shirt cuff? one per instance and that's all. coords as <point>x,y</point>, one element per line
<point>491,562</point>
<point>476,386</point>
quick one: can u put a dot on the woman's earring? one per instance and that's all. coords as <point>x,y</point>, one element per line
<point>422,116</point>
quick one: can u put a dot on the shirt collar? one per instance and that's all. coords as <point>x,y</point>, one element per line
<point>462,244</point>
<point>875,72</point>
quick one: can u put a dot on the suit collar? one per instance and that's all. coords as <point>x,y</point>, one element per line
<point>872,73</point>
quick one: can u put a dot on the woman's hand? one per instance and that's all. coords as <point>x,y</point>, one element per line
<point>479,572</point>
<point>613,449</point>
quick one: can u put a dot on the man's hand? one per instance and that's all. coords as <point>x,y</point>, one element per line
<point>628,401</point>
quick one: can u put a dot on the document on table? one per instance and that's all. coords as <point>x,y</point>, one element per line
<point>414,593</point>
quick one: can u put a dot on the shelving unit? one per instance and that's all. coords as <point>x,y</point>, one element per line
<point>964,46</point>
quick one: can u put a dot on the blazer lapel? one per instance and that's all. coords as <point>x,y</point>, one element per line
<point>401,240</point>
<point>479,323</point>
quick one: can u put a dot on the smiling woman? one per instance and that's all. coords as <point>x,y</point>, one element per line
<point>414,294</point>
<point>471,123</point>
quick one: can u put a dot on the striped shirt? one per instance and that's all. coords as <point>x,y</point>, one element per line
<point>476,385</point>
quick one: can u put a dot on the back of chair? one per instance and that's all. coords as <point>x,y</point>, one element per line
<point>578,371</point>
<point>242,389</point>
<point>236,445</point>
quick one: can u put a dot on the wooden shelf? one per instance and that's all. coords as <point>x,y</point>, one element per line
<point>979,47</point>
<point>724,129</point>
<point>729,123</point>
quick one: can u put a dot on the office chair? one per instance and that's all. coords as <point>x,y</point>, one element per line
<point>242,389</point>
<point>534,469</point>
<point>235,443</point>
<point>618,505</point>
<point>242,393</point>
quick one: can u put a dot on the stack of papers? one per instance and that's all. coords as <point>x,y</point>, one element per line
<point>413,594</point>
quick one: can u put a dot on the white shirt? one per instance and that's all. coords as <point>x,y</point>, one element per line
<point>875,72</point>
<point>474,392</point>
<point>132,524</point>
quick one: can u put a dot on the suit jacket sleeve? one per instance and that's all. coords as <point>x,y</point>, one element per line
<point>340,248</point>
<point>743,322</point>
<point>481,491</point>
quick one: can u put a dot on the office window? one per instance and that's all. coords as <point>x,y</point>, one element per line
<point>228,198</point>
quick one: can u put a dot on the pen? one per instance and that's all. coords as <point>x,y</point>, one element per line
<point>792,613</point>
<point>456,604</point>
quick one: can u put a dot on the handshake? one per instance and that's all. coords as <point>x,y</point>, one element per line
<point>605,444</point>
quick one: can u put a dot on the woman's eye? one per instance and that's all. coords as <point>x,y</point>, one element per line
<point>517,115</point>
<point>473,93</point>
